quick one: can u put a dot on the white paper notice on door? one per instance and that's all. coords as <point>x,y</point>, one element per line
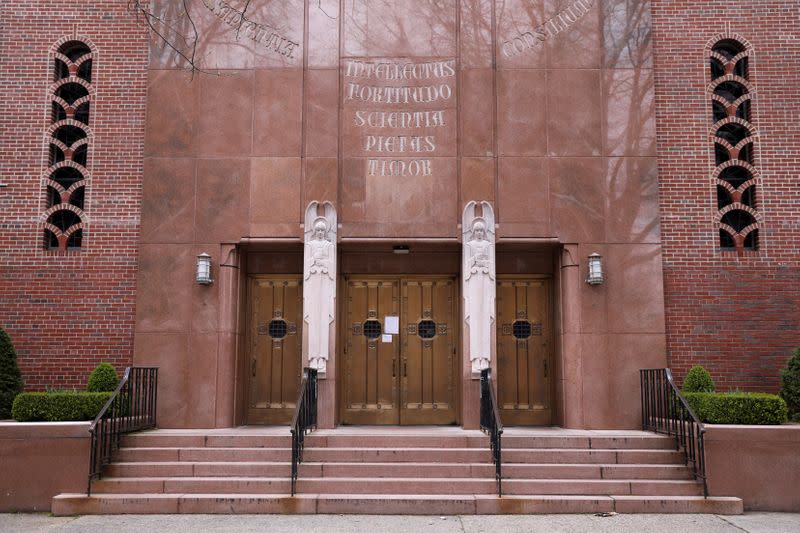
<point>391,325</point>
<point>386,338</point>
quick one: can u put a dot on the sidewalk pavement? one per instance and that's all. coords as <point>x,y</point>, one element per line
<point>750,522</point>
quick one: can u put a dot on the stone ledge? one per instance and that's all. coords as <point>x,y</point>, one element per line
<point>10,429</point>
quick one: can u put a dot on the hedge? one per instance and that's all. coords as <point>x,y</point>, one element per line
<point>737,407</point>
<point>58,406</point>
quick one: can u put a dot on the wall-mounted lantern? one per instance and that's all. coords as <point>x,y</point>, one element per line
<point>595,270</point>
<point>204,269</point>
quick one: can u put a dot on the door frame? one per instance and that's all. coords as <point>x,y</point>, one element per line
<point>342,332</point>
<point>551,311</point>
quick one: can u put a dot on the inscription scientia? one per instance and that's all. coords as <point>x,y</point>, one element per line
<point>399,107</point>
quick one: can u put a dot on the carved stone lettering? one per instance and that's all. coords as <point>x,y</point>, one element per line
<point>533,40</point>
<point>400,139</point>
<point>262,34</point>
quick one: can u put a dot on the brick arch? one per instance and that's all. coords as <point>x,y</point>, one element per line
<point>85,39</point>
<point>727,36</point>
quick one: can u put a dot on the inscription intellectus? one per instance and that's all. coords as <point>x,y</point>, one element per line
<point>533,40</point>
<point>261,34</point>
<point>399,106</point>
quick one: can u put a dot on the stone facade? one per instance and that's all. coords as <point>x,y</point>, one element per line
<point>585,124</point>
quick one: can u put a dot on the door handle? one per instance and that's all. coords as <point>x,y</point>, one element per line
<point>545,368</point>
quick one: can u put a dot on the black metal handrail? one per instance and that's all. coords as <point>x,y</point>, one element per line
<point>666,411</point>
<point>490,423</point>
<point>304,420</point>
<point>132,407</point>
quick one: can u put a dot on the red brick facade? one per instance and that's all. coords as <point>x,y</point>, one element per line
<point>738,316</point>
<point>66,313</point>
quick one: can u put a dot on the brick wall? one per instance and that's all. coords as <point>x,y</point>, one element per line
<point>738,316</point>
<point>66,313</point>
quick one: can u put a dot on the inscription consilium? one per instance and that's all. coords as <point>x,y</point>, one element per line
<point>533,40</point>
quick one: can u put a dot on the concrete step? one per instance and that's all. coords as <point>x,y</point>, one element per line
<point>382,455</point>
<point>476,455</point>
<point>192,485</point>
<point>99,503</point>
<point>205,469</point>
<point>481,441</point>
<point>449,486</point>
<point>159,454</point>
<point>158,439</point>
<point>382,470</point>
<point>398,454</point>
<point>407,485</point>
<point>591,456</point>
<point>484,470</point>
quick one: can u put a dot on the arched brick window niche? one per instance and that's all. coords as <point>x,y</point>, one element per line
<point>734,137</point>
<point>68,139</point>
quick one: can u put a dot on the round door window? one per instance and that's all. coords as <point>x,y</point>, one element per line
<point>372,329</point>
<point>277,328</point>
<point>426,329</point>
<point>522,329</point>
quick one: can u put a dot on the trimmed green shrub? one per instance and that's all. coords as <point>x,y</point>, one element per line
<point>103,379</point>
<point>737,407</point>
<point>58,406</point>
<point>10,377</point>
<point>698,380</point>
<point>790,385</point>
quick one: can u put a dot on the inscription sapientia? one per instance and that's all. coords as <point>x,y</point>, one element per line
<point>261,34</point>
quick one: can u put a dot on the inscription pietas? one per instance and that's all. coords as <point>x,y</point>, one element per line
<point>268,37</point>
<point>398,107</point>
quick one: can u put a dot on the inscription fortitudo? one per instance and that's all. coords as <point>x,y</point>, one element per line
<point>397,108</point>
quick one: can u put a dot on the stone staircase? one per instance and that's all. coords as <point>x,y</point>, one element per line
<point>370,470</point>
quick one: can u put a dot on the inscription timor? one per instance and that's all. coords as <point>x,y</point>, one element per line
<point>399,106</point>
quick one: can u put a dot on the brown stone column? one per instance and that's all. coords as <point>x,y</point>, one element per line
<point>227,344</point>
<point>326,385</point>
<point>570,356</point>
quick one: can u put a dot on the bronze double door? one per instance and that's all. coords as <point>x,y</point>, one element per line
<point>274,348</point>
<point>400,343</point>
<point>524,348</point>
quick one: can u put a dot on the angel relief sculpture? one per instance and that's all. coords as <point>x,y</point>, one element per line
<point>479,282</point>
<point>319,282</point>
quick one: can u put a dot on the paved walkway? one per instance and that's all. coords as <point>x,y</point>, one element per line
<point>751,522</point>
